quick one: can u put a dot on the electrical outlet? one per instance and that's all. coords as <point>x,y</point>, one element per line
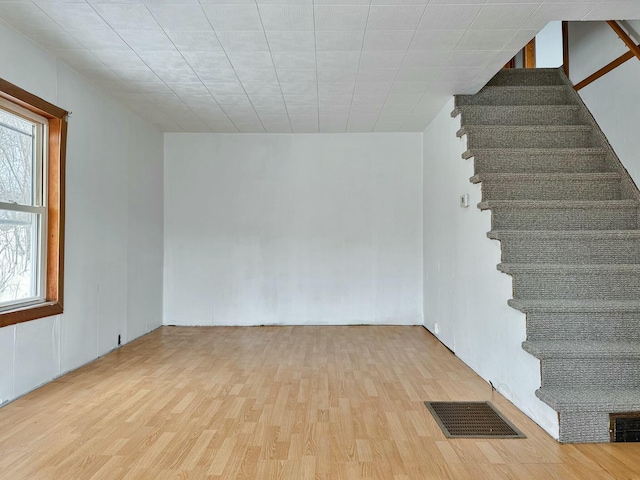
<point>464,200</point>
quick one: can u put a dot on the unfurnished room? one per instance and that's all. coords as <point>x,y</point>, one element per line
<point>316,239</point>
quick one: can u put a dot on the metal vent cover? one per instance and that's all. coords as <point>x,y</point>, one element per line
<point>625,427</point>
<point>472,420</point>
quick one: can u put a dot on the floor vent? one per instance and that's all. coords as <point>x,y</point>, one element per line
<point>472,420</point>
<point>625,427</point>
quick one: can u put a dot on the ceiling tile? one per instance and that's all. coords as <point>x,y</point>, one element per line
<point>119,58</point>
<point>127,16</point>
<point>147,40</point>
<point>506,16</point>
<point>409,87</point>
<point>382,59</point>
<point>340,75</point>
<point>486,39</point>
<point>330,89</point>
<point>189,89</point>
<point>255,75</point>
<point>294,60</point>
<point>294,101</point>
<point>195,41</point>
<point>247,60</point>
<point>246,41</point>
<point>449,17</point>
<point>187,18</point>
<point>422,74</point>
<point>436,39</point>
<point>343,17</point>
<point>262,88</point>
<point>297,75</point>
<point>329,59</point>
<point>287,17</point>
<point>372,88</point>
<point>233,17</point>
<point>235,100</point>
<point>99,39</point>
<point>470,58</point>
<point>266,100</point>
<point>291,41</point>
<point>232,88</point>
<point>618,10</point>
<point>377,74</point>
<point>339,41</point>
<point>394,17</point>
<point>553,11</point>
<point>299,88</point>
<point>74,15</point>
<point>425,58</point>
<point>387,39</point>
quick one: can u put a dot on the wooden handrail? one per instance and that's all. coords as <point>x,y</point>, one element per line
<point>604,70</point>
<point>634,50</point>
<point>625,37</point>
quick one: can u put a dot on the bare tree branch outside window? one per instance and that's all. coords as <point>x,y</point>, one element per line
<point>17,229</point>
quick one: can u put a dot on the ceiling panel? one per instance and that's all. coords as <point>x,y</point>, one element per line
<point>291,65</point>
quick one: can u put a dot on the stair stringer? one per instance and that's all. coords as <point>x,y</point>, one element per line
<point>465,296</point>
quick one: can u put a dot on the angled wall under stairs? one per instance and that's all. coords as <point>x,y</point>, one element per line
<point>566,213</point>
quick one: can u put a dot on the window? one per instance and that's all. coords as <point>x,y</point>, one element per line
<point>32,148</point>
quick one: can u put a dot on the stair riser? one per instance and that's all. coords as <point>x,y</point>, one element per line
<point>584,427</point>
<point>619,373</point>
<point>610,286</point>
<point>551,190</point>
<point>508,96</point>
<point>502,163</point>
<point>583,326</point>
<point>521,116</point>
<point>524,139</point>
<point>564,219</point>
<point>594,251</point>
<point>528,78</point>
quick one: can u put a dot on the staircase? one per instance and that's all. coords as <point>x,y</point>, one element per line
<point>566,213</point>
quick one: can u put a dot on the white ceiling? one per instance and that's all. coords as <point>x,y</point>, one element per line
<point>292,65</point>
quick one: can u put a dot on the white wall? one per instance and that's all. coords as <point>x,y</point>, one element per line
<point>549,46</point>
<point>465,297</point>
<point>614,99</point>
<point>293,229</point>
<point>113,251</point>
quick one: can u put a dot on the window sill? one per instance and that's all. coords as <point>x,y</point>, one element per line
<point>32,312</point>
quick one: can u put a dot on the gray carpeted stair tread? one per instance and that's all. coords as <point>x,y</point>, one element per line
<point>521,76</point>
<point>516,129</point>
<point>554,234</point>
<point>574,306</point>
<point>592,349</point>
<point>555,152</point>
<point>564,204</point>
<point>590,400</point>
<point>520,114</point>
<point>538,177</point>
<point>559,268</point>
<point>519,95</point>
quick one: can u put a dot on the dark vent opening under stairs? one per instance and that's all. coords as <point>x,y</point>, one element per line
<point>472,420</point>
<point>625,427</point>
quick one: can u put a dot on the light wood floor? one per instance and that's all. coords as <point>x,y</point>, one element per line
<point>277,402</point>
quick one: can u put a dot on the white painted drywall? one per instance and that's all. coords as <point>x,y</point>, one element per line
<point>614,99</point>
<point>293,229</point>
<point>549,46</point>
<point>113,254</point>
<point>465,296</point>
